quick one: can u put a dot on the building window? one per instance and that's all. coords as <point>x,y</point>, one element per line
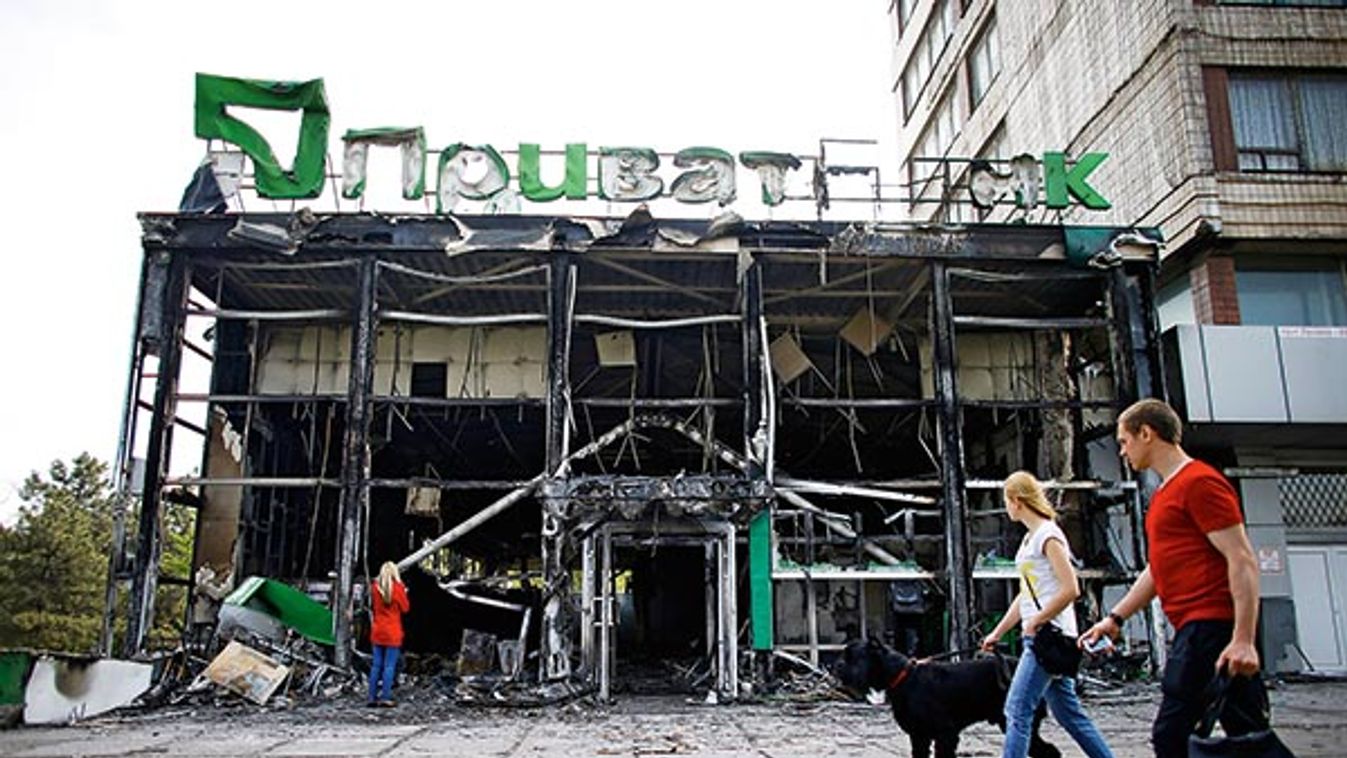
<point>934,143</point>
<point>1287,297</point>
<point>1174,304</point>
<point>1289,122</point>
<point>927,51</point>
<point>430,379</point>
<point>984,61</point>
<point>994,150</point>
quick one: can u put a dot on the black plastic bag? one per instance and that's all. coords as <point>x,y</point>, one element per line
<point>1263,743</point>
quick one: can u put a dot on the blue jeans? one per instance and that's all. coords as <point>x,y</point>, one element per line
<point>381,671</point>
<point>1030,685</point>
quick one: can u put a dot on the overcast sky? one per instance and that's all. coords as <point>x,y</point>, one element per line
<point>97,125</point>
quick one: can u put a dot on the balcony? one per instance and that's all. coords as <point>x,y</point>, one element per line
<point>1257,376</point>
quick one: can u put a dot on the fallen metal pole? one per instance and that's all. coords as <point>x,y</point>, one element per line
<point>514,496</point>
<point>471,523</point>
<point>826,488</point>
<point>883,555</point>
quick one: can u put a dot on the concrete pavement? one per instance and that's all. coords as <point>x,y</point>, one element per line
<point>1310,716</point>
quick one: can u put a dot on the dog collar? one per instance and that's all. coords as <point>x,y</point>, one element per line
<point>901,676</point>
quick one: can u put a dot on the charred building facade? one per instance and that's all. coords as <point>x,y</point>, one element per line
<point>616,440</point>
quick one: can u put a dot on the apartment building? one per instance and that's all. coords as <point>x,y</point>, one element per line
<point>1225,126</point>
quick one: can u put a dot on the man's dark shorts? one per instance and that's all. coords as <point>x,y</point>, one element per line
<point>1190,668</point>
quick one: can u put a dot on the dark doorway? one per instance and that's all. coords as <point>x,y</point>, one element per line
<point>662,630</point>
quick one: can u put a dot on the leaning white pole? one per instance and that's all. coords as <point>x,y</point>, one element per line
<point>883,555</point>
<point>472,522</point>
<point>489,512</point>
<point>827,488</point>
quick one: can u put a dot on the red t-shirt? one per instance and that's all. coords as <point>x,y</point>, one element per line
<point>387,627</point>
<point>1190,574</point>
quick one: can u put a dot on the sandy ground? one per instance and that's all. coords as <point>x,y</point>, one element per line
<point>1310,716</point>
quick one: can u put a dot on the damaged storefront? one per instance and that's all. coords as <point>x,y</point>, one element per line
<point>631,451</point>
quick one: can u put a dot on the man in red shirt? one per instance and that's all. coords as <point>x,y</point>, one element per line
<point>1203,569</point>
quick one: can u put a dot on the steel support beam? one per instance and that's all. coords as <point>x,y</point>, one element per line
<point>1122,321</point>
<point>757,441</point>
<point>121,467</point>
<point>355,459</point>
<point>167,339</point>
<point>587,599</point>
<point>711,596</point>
<point>959,567</point>
<point>1151,380</point>
<point>607,639</point>
<point>556,648</point>
<point>727,668</point>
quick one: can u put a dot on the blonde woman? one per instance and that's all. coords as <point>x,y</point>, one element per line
<point>1044,564</point>
<point>388,601</point>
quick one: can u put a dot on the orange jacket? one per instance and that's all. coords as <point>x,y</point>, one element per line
<point>387,627</point>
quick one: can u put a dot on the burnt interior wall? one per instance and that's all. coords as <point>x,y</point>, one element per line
<point>221,506</point>
<point>863,414</point>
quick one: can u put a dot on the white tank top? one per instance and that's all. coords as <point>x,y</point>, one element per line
<point>1036,571</point>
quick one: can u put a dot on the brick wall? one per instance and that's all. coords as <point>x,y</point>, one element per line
<point>1215,300</point>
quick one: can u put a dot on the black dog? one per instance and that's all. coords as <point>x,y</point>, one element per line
<point>933,702</point>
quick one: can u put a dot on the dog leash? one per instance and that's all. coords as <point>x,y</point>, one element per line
<point>912,663</point>
<point>902,674</point>
<point>950,654</point>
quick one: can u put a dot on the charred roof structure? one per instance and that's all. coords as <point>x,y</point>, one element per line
<point>656,439</point>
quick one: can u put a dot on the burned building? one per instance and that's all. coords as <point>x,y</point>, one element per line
<point>660,440</point>
<point>614,440</point>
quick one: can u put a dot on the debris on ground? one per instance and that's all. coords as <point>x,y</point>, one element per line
<point>241,669</point>
<point>268,607</point>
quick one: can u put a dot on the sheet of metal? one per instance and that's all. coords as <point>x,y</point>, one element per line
<point>64,690</point>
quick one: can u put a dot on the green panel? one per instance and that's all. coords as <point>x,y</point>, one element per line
<point>287,605</point>
<point>760,579</point>
<point>530,178</point>
<point>1084,242</point>
<point>14,666</point>
<point>305,178</point>
<point>1061,184</point>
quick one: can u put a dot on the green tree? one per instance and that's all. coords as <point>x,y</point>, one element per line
<point>53,562</point>
<point>177,529</point>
